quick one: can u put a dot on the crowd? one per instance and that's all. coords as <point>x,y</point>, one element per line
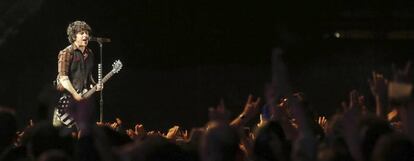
<point>288,130</point>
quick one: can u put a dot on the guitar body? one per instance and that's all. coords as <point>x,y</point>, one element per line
<point>62,111</point>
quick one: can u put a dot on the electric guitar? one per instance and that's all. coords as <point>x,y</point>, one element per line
<point>64,102</point>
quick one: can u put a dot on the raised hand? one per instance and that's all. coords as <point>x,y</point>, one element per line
<point>392,114</point>
<point>379,89</point>
<point>323,122</point>
<point>140,130</point>
<point>251,108</point>
<point>356,101</point>
<point>114,125</point>
<point>184,134</point>
<point>172,132</point>
<point>378,85</point>
<point>131,133</point>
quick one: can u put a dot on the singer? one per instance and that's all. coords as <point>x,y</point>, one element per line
<point>75,64</point>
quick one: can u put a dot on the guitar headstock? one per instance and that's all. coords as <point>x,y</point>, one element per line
<point>116,66</point>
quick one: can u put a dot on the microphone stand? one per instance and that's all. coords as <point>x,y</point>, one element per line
<point>100,40</point>
<point>100,82</point>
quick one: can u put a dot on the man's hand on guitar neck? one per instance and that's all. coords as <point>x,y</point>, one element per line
<point>99,86</point>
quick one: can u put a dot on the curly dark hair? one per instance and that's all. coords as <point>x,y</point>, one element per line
<point>75,27</point>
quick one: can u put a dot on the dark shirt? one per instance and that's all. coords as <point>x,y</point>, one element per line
<point>76,65</point>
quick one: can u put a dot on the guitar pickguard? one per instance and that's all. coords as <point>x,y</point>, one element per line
<point>63,113</point>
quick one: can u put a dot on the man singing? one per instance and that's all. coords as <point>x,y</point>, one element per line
<point>75,64</point>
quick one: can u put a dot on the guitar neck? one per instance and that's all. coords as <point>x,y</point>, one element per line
<point>93,90</point>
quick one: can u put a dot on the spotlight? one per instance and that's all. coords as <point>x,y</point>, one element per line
<point>337,34</point>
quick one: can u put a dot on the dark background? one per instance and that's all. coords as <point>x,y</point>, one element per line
<point>181,57</point>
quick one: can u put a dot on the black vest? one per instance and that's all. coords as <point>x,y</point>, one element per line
<point>80,69</point>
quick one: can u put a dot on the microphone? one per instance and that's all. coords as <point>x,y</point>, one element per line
<point>100,39</point>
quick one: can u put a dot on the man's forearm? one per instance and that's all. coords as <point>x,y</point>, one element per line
<point>64,80</point>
